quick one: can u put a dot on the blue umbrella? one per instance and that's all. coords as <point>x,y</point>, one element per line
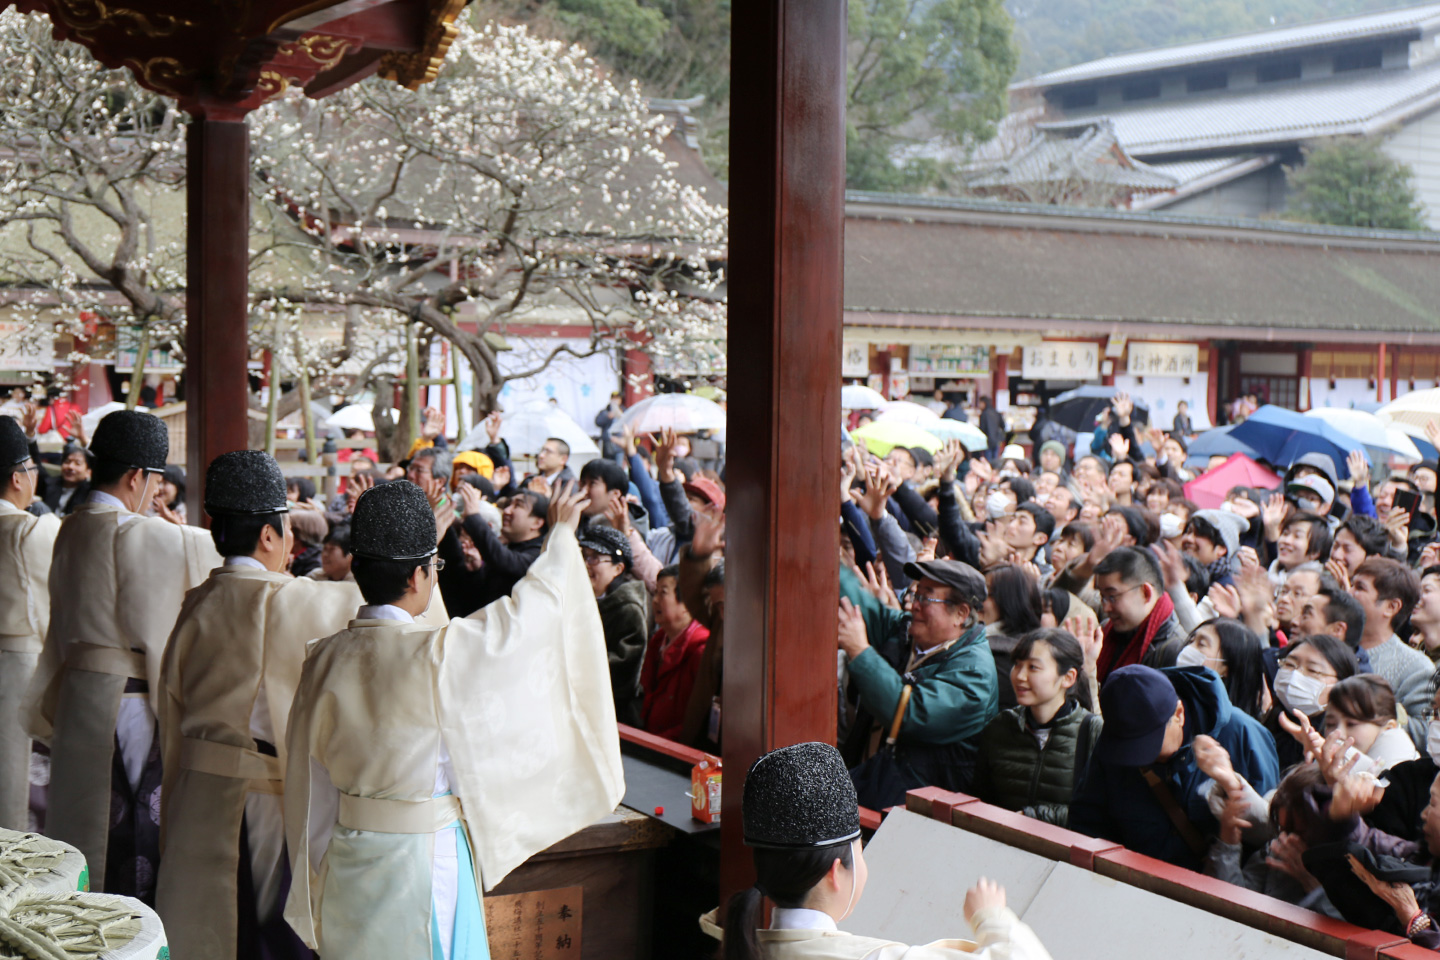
<point>1216,442</point>
<point>1283,436</point>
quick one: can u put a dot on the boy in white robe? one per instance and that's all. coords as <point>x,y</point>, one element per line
<point>802,819</point>
<point>229,675</point>
<point>117,580</point>
<point>425,763</point>
<point>26,542</point>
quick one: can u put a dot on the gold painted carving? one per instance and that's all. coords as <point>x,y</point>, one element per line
<point>85,17</point>
<point>410,70</point>
<point>322,50</point>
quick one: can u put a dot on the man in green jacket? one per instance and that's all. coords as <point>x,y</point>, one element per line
<point>939,651</point>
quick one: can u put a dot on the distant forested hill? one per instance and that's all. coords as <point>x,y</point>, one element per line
<point>1057,33</point>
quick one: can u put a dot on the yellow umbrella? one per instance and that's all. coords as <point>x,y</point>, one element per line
<point>882,436</point>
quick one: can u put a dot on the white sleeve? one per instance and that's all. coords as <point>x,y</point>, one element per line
<point>324,807</point>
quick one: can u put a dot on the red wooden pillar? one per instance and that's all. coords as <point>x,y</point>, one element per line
<point>637,380</point>
<point>1000,379</point>
<point>1212,391</point>
<point>1380,372</point>
<point>217,294</point>
<point>787,170</point>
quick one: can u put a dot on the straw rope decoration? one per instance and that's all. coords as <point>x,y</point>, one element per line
<point>65,927</point>
<point>23,858</point>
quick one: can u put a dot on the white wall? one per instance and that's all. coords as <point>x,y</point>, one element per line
<point>581,388</point>
<point>1418,144</point>
<point>1163,393</point>
<point>1359,394</point>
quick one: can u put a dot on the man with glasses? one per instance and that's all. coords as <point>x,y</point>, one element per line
<point>426,762</point>
<point>1140,624</point>
<point>230,668</point>
<point>26,542</point>
<point>939,652</point>
<point>117,581</point>
<point>552,463</point>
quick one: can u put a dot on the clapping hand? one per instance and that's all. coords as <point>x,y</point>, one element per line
<point>1119,448</point>
<point>1091,638</point>
<point>709,533</point>
<point>1359,469</point>
<point>1273,514</point>
<point>358,485</point>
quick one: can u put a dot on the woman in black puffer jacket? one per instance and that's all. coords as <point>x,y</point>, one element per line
<point>1031,755</point>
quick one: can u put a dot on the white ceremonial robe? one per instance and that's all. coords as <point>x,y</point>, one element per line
<point>230,671</point>
<point>26,542</point>
<point>517,694</point>
<point>810,935</point>
<point>117,581</point>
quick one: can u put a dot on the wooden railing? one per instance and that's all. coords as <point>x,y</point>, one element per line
<point>1112,860</point>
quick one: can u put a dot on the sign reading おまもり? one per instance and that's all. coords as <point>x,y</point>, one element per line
<point>1061,360</point>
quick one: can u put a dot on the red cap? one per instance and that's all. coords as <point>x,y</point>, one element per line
<point>707,490</point>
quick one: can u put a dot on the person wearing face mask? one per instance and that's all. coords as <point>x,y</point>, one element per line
<point>397,818</point>
<point>802,823</point>
<point>1032,754</point>
<point>1312,665</point>
<point>1233,652</point>
<point>117,582</point>
<point>1362,709</point>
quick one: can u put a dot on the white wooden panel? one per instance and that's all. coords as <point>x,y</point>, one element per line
<point>1080,915</point>
<point>919,871</point>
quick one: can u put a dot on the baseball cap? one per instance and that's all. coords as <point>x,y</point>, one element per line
<point>707,490</point>
<point>1137,703</point>
<point>1317,485</point>
<point>953,573</point>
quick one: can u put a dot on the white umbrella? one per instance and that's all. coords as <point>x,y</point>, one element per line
<point>1383,440</point>
<point>526,428</point>
<point>903,411</point>
<point>681,412</point>
<point>1415,409</point>
<point>357,416</point>
<point>857,396</point>
<point>966,433</point>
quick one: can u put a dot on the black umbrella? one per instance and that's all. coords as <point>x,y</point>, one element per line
<point>1078,408</point>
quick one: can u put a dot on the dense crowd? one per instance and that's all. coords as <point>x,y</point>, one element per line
<point>1248,689</point>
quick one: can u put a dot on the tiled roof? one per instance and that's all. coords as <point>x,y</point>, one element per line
<point>1389,23</point>
<point>1092,156</point>
<point>1271,115</point>
<point>1055,268</point>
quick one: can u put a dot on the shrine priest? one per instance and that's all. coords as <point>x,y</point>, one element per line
<point>25,544</point>
<point>116,584</point>
<point>426,763</point>
<point>801,817</point>
<point>228,678</point>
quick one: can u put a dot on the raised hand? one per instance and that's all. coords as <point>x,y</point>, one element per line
<point>1214,761</point>
<point>434,492</point>
<point>985,895</point>
<point>927,549</point>
<point>878,582</point>
<point>1355,796</point>
<point>76,425</point>
<point>30,420</point>
<point>1337,759</point>
<point>1172,563</point>
<point>500,479</point>
<point>444,516</point>
<point>627,440</point>
<point>851,637</point>
<point>1123,407</point>
<point>1090,637</point>
<point>1273,514</point>
<point>358,485</point>
<point>1430,555</point>
<point>847,478</point>
<point>709,533</point>
<point>1112,533</point>
<point>1432,432</point>
<point>492,427</point>
<point>1303,732</point>
<point>1337,569</point>
<point>1119,447</point>
<point>566,505</point>
<point>880,486</point>
<point>1397,525</point>
<point>1359,469</point>
<point>470,499</point>
<point>617,511</point>
<point>434,424</point>
<point>948,459</point>
<point>665,455</point>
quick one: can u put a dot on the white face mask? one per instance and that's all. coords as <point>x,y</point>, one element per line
<point>1191,656</point>
<point>1432,740</point>
<point>1170,526</point>
<point>996,503</point>
<point>1299,692</point>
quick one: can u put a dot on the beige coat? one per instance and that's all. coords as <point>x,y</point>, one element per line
<point>115,591</point>
<point>26,542</point>
<point>518,693</point>
<point>242,626</point>
<point>999,935</point>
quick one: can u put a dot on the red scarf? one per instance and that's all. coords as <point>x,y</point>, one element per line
<point>1115,652</point>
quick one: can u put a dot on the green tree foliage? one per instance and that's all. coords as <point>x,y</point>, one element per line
<point>921,71</point>
<point>933,72</point>
<point>1057,33</point>
<point>1352,182</point>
